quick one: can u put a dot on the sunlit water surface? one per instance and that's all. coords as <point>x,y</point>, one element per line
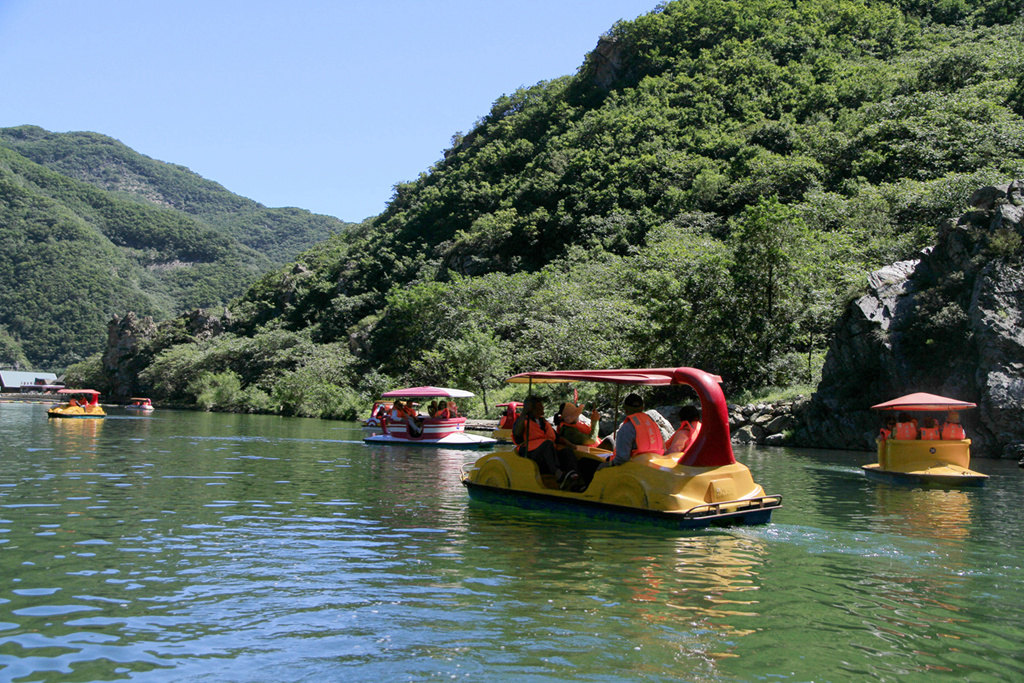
<point>190,546</point>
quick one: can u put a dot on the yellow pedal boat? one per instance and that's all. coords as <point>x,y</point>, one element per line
<point>86,407</point>
<point>701,487</point>
<point>926,462</point>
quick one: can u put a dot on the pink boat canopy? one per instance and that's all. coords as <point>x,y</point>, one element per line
<point>427,392</point>
<point>923,401</point>
<point>91,392</point>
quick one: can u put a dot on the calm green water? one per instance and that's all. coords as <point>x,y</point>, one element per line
<point>190,546</point>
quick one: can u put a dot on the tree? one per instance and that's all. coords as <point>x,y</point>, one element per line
<point>772,273</point>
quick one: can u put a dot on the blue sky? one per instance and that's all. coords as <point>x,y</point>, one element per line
<point>310,103</point>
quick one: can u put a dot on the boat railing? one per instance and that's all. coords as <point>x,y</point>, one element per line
<point>745,504</point>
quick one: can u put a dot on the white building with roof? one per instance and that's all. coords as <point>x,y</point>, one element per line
<point>13,380</point>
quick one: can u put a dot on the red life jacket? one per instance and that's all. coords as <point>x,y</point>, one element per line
<point>648,435</point>
<point>884,433</point>
<point>953,431</point>
<point>930,433</point>
<point>906,431</point>
<point>443,414</point>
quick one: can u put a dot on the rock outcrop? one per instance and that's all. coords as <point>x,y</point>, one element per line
<point>948,323</point>
<point>122,360</point>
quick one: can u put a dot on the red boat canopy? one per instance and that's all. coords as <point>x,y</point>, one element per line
<point>514,404</point>
<point>79,391</point>
<point>427,392</point>
<point>923,401</point>
<point>649,376</point>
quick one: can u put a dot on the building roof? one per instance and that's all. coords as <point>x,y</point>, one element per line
<point>13,379</point>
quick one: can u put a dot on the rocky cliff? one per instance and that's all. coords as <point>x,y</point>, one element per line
<point>948,323</point>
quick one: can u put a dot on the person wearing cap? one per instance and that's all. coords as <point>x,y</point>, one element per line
<point>569,427</point>
<point>952,430</point>
<point>638,433</point>
<point>535,438</point>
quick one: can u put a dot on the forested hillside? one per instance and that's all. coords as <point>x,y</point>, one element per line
<point>89,229</point>
<point>708,189</point>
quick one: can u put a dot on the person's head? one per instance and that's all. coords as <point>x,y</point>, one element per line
<point>633,403</point>
<point>952,416</point>
<point>890,421</point>
<point>930,422</point>
<point>903,417</point>
<point>570,412</point>
<point>689,414</point>
<point>433,406</point>
<point>533,406</point>
<point>397,405</point>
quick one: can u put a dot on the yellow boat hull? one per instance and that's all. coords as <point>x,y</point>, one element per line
<point>648,486</point>
<point>67,410</point>
<point>929,462</point>
<point>502,435</point>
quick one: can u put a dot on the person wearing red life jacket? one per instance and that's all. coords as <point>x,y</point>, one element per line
<point>930,431</point>
<point>637,434</point>
<point>952,430</point>
<point>905,428</point>
<point>447,411</point>
<point>689,428</point>
<point>535,438</point>
<point>886,432</point>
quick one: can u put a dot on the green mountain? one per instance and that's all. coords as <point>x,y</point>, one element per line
<point>710,189</point>
<point>90,229</point>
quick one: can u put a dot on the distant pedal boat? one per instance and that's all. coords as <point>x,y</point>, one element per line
<point>140,405</point>
<point>88,407</point>
<point>437,432</point>
<point>924,462</point>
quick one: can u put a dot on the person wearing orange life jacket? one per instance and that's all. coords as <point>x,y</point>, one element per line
<point>930,431</point>
<point>535,438</point>
<point>569,427</point>
<point>689,428</point>
<point>952,430</point>
<point>906,429</point>
<point>638,433</point>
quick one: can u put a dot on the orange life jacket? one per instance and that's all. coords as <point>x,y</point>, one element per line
<point>648,435</point>
<point>930,433</point>
<point>535,434</point>
<point>953,431</point>
<point>906,431</point>
<point>884,433</point>
<point>683,437</point>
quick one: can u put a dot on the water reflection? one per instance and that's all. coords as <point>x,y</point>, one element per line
<point>252,548</point>
<point>76,436</point>
<point>939,514</point>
